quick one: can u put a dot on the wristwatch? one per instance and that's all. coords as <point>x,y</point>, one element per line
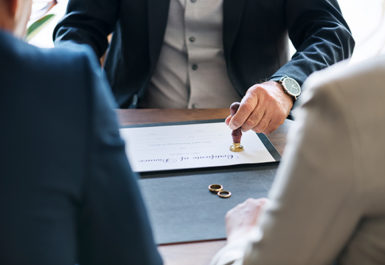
<point>290,86</point>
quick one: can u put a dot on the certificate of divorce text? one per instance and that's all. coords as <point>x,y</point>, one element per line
<point>187,146</point>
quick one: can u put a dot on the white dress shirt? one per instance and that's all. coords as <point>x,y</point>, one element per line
<point>191,71</point>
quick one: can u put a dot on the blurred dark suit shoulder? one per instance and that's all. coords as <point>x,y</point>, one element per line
<point>67,193</point>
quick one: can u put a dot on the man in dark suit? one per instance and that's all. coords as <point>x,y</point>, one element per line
<point>199,53</point>
<point>67,193</point>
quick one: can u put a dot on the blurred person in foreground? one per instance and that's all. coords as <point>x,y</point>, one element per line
<point>67,193</point>
<point>326,205</point>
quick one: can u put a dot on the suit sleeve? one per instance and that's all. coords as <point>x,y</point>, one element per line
<point>114,226</point>
<point>314,203</point>
<point>320,35</point>
<point>88,22</point>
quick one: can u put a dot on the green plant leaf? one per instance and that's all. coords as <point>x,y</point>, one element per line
<point>37,25</point>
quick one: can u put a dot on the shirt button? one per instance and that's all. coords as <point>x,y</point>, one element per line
<point>191,39</point>
<point>194,67</point>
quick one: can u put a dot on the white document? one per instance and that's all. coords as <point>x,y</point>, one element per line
<point>186,146</point>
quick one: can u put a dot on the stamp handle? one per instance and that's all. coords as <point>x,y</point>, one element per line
<point>236,134</point>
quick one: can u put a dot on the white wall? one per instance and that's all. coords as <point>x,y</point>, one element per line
<point>366,20</point>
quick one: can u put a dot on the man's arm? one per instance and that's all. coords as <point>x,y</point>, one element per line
<point>88,22</point>
<point>114,226</point>
<point>321,37</point>
<point>314,204</point>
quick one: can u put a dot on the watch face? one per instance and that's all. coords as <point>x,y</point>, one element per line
<point>292,86</point>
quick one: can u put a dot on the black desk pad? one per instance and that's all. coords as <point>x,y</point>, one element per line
<point>182,209</point>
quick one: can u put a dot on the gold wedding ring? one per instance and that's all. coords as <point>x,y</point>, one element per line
<point>215,188</point>
<point>224,194</point>
<point>218,189</point>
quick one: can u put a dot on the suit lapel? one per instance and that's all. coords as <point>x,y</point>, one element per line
<point>232,15</point>
<point>157,22</point>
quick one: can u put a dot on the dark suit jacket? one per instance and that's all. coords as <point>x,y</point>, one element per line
<point>254,38</point>
<point>67,193</point>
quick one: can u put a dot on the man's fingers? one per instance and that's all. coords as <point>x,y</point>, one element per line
<point>275,122</point>
<point>263,123</point>
<point>246,108</point>
<point>254,119</point>
<point>227,121</point>
<point>263,109</point>
<point>270,128</point>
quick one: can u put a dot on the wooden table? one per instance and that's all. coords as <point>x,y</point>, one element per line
<point>197,253</point>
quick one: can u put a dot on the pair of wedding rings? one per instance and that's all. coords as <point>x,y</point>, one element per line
<point>218,189</point>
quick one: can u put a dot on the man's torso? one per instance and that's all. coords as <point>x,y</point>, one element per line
<point>191,70</point>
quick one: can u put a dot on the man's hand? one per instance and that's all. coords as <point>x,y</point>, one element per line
<point>263,109</point>
<point>243,218</point>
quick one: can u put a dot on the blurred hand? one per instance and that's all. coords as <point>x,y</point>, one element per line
<point>243,218</point>
<point>263,109</point>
